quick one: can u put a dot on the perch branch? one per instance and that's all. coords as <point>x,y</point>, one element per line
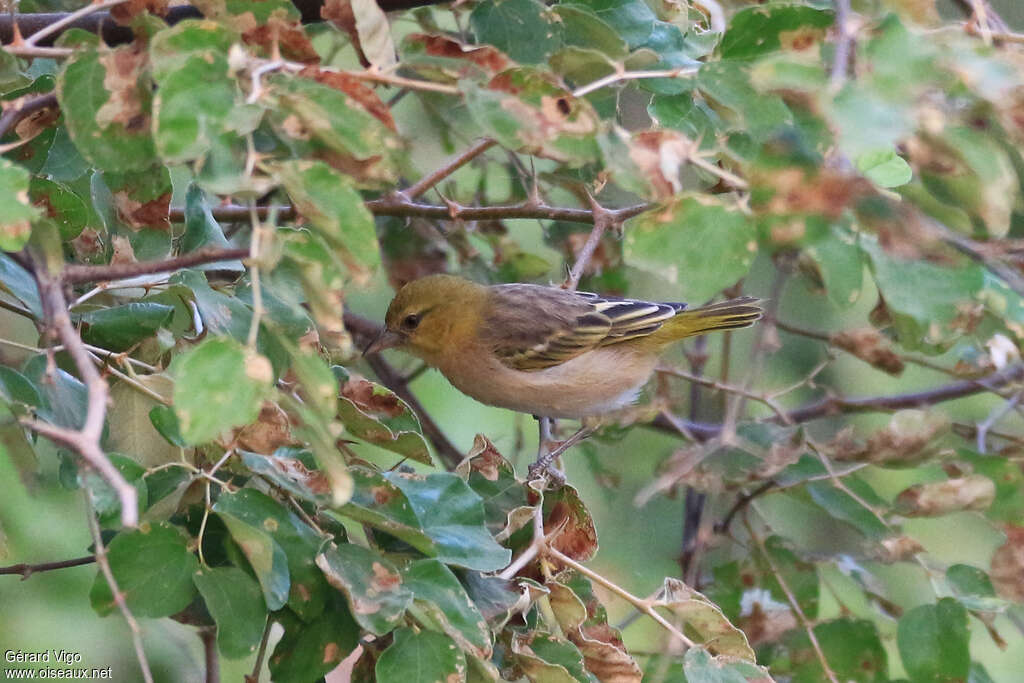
<point>27,570</point>
<point>77,274</point>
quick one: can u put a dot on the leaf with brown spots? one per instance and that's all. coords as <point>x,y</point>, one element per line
<point>451,60</point>
<point>354,88</point>
<point>372,585</point>
<point>568,519</point>
<point>973,492</point>
<point>492,477</point>
<point>706,618</point>
<point>1007,566</point>
<point>868,344</point>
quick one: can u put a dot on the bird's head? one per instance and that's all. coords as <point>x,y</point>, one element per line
<point>429,315</point>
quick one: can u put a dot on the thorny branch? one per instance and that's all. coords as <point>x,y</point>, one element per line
<point>86,440</point>
<point>27,570</point>
<point>115,591</point>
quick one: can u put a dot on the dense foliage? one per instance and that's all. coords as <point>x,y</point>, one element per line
<point>185,218</point>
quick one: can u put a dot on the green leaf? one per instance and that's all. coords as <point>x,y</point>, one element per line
<point>65,398</point>
<point>759,115</point>
<point>443,597</point>
<point>299,542</point>
<point>120,327</point>
<point>973,588</point>
<point>19,283</point>
<point>375,414</point>
<point>60,204</point>
<point>308,651</point>
<point>841,265</point>
<point>673,242</point>
<point>852,648</point>
<point>379,503</point>
<point>885,168</point>
<point>283,549</point>
<point>166,423</point>
<point>16,388</point>
<point>153,568</point>
<point>701,667</point>
<point>189,119</point>
<point>335,210</point>
<point>704,617</point>
<point>218,385</point>
<point>202,230</point>
<point>492,477</point>
<point>372,584</point>
<point>548,659</point>
<point>458,527</point>
<point>421,656</point>
<point>842,506</point>
<point>933,642</point>
<point>525,30</point>
<point>322,121</point>
<point>105,499</point>
<point>109,127</point>
<point>236,605</point>
<point>289,473</point>
<point>755,31</point>
<point>16,211</point>
<point>923,298</point>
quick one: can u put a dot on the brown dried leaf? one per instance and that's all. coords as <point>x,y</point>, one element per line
<point>1007,567</point>
<point>355,89</point>
<point>909,438</point>
<point>604,653</point>
<point>567,516</point>
<point>365,396</point>
<point>869,345</point>
<point>123,251</point>
<point>896,549</point>
<point>799,191</point>
<point>763,626</point>
<point>488,58</point>
<point>973,492</point>
<point>126,12</point>
<point>270,431</point>
<point>136,215</point>
<point>705,617</point>
<point>88,245</point>
<point>660,155</point>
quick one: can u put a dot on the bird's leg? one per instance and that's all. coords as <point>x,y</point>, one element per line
<point>546,457</point>
<point>542,464</point>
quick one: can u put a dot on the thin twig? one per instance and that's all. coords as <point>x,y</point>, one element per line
<point>641,604</point>
<point>449,167</point>
<point>832,406</point>
<point>602,223</point>
<point>844,43</point>
<point>23,108</point>
<point>209,637</point>
<point>84,441</point>
<point>27,570</point>
<point>791,598</point>
<point>71,18</point>
<point>79,274</point>
<point>115,591</point>
<point>995,416</point>
<point>254,677</point>
<point>623,76</point>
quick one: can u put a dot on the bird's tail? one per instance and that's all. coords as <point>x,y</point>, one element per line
<point>727,315</point>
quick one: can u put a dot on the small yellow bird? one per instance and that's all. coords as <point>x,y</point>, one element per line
<point>541,350</point>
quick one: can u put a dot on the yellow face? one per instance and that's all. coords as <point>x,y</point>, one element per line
<point>428,315</point>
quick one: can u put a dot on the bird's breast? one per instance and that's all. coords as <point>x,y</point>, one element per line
<point>594,383</point>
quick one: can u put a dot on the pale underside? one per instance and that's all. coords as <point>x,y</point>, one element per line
<point>597,382</point>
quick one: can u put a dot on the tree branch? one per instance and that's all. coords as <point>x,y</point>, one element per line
<point>75,274</point>
<point>363,331</point>
<point>114,34</point>
<point>27,570</point>
<point>25,107</point>
<point>84,441</point>
<point>431,179</point>
<point>837,405</point>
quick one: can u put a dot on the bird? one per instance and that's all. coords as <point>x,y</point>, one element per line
<point>544,350</point>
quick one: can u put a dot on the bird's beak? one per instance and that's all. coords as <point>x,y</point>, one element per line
<point>385,340</point>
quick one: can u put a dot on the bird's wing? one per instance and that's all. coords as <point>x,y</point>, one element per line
<point>531,327</point>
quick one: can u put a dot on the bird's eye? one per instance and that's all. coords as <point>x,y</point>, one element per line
<point>411,322</point>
